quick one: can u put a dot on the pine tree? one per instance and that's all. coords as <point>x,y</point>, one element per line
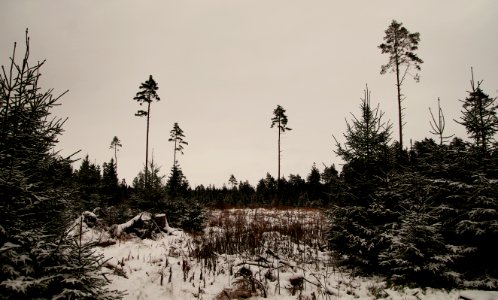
<point>400,45</point>
<point>177,136</point>
<point>115,144</point>
<point>279,119</point>
<point>146,95</point>
<point>232,181</point>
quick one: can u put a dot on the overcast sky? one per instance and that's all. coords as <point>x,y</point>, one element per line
<point>222,67</point>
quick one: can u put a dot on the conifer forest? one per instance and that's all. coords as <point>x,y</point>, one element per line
<point>391,218</point>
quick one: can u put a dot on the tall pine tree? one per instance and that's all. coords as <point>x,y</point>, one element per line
<point>146,95</point>
<point>280,120</point>
<point>400,45</point>
<point>177,136</point>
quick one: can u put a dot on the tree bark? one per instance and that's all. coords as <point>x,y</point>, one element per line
<point>116,156</point>
<point>174,155</point>
<point>278,174</point>
<point>400,113</point>
<point>147,145</point>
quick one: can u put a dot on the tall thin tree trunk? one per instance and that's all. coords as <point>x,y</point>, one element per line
<point>278,174</point>
<point>147,145</point>
<point>400,113</point>
<point>174,155</point>
<point>116,156</point>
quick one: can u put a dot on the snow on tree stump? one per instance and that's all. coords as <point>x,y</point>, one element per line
<point>143,225</point>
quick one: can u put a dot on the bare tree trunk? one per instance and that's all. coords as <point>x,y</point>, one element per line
<point>400,113</point>
<point>116,156</point>
<point>147,145</point>
<point>174,155</point>
<point>278,174</point>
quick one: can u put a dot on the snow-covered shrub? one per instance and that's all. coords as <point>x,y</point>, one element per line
<point>35,196</point>
<point>354,236</point>
<point>46,267</point>
<point>475,226</point>
<point>416,250</point>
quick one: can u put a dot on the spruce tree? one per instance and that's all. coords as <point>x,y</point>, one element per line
<point>314,185</point>
<point>37,255</point>
<point>110,189</point>
<point>479,117</point>
<point>366,150</point>
<point>148,190</point>
<point>27,140</point>
<point>416,250</point>
<point>88,179</point>
<point>355,219</point>
<point>177,184</point>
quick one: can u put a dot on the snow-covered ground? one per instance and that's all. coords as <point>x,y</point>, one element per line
<point>174,266</point>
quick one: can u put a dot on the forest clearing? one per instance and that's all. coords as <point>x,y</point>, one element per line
<point>246,253</point>
<point>270,149</point>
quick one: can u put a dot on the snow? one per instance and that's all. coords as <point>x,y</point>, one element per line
<point>165,268</point>
<point>121,227</point>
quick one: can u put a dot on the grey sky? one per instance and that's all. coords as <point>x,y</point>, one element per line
<point>223,65</point>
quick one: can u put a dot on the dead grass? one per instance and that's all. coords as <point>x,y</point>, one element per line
<point>237,231</point>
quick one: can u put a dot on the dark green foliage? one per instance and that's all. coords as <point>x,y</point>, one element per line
<point>185,213</point>
<point>267,189</point>
<point>366,151</point>
<point>475,226</point>
<point>177,184</point>
<point>314,185</point>
<point>355,237</point>
<point>37,266</point>
<point>479,118</point>
<point>29,169</point>
<point>416,251</point>
<point>110,190</point>
<point>35,197</point>
<point>331,184</point>
<point>245,193</point>
<point>149,194</point>
<point>88,179</point>
<point>357,219</point>
<point>177,136</point>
